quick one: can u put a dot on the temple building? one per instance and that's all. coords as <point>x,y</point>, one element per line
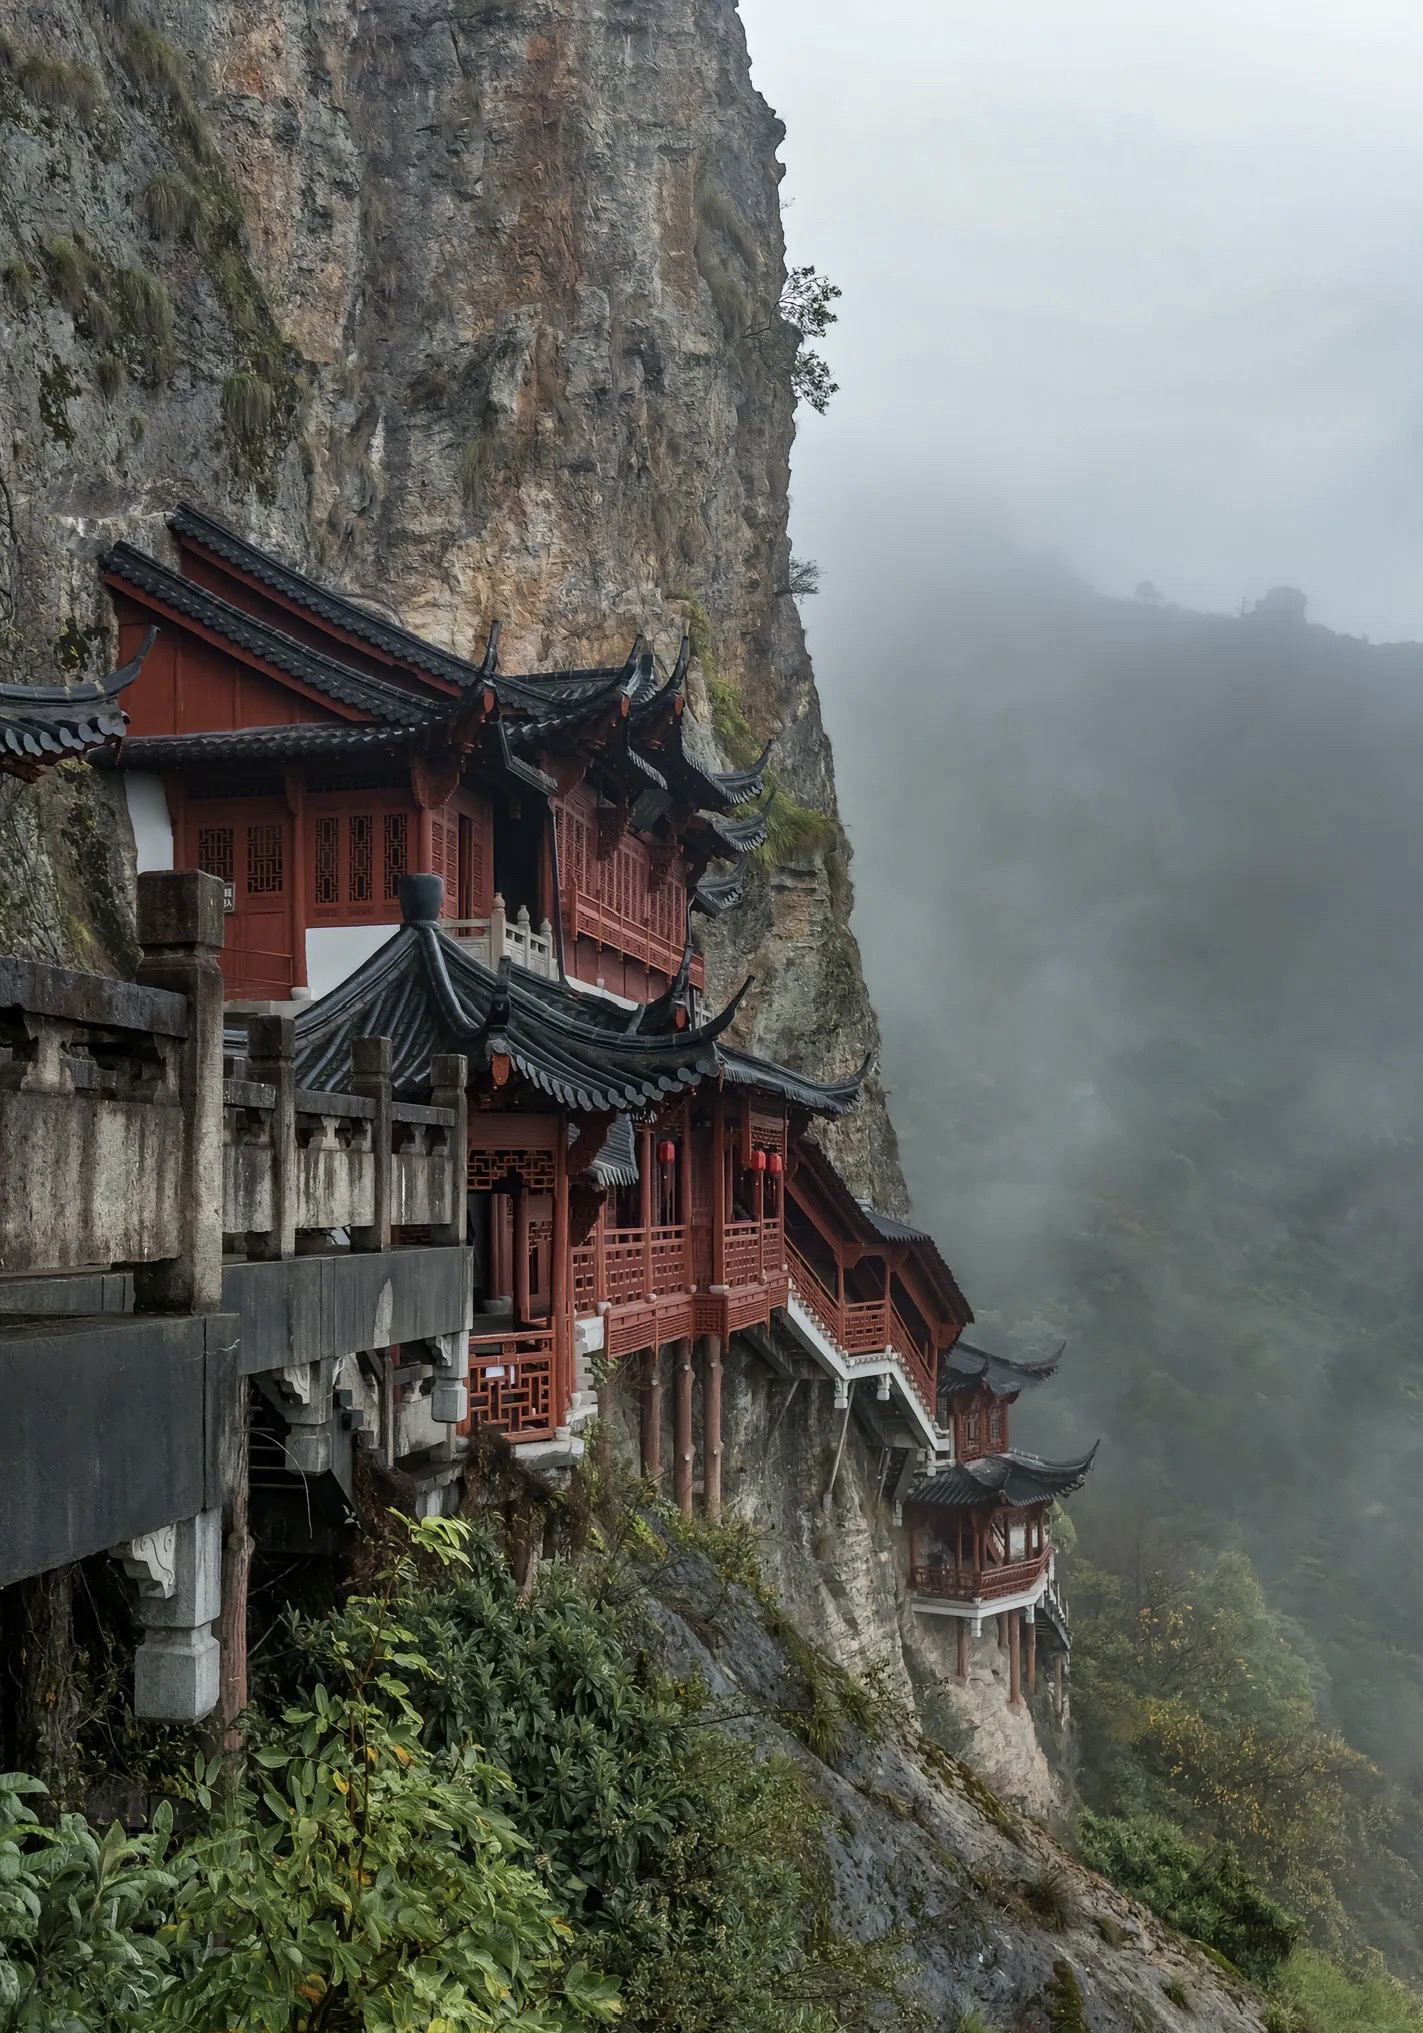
<point>485,1151</point>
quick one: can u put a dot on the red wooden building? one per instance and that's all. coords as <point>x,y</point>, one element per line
<point>424,849</point>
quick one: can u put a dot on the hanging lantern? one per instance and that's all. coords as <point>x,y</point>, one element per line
<point>777,1164</point>
<point>758,1161</point>
<point>666,1153</point>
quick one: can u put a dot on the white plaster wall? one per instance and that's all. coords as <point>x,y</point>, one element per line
<point>334,952</point>
<point>148,815</point>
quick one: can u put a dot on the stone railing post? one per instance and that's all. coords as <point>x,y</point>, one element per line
<point>271,1055</point>
<point>370,1076</point>
<point>498,929</point>
<point>180,928</point>
<point>448,1076</point>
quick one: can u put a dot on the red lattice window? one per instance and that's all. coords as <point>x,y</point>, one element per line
<point>216,854</point>
<point>328,861</point>
<point>397,852</point>
<point>995,1426</point>
<point>264,860</point>
<point>359,863</point>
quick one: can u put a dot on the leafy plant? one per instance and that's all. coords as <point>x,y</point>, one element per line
<point>80,1918</point>
<point>1208,1895</point>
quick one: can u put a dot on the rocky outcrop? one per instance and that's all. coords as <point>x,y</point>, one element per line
<point>475,312</point>
<point>988,1912</point>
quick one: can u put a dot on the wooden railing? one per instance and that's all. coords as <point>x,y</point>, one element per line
<point>979,1584</point>
<point>624,1266</point>
<point>511,1382</point>
<point>586,917</point>
<point>862,1327</point>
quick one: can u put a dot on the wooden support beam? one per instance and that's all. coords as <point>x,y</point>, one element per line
<point>1033,1657</point>
<point>1015,1658</point>
<point>682,1453</point>
<point>650,1413</point>
<point>961,1662</point>
<point>711,1426</point>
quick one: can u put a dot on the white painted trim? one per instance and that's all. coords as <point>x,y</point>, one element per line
<point>150,819</point>
<point>846,1370</point>
<point>975,1612</point>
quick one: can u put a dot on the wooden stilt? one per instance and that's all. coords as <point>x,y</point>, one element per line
<point>1057,1687</point>
<point>1001,1625</point>
<point>1032,1658</point>
<point>1015,1658</point>
<point>236,1575</point>
<point>682,1459</point>
<point>651,1434</point>
<point>961,1663</point>
<point>711,1425</point>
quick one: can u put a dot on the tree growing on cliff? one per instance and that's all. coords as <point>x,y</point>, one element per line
<point>805,305</point>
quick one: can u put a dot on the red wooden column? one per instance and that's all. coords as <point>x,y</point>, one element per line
<point>522,1299</point>
<point>682,1457</point>
<point>684,1195</point>
<point>646,1157</point>
<point>711,1425</point>
<point>295,787</point>
<point>650,1416</point>
<point>560,1280</point>
<point>1015,1658</point>
<point>718,1195</point>
<point>1033,1657</point>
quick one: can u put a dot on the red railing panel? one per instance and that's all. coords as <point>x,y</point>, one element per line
<point>511,1383</point>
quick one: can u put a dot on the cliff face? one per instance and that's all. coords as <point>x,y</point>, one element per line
<point>475,313</point>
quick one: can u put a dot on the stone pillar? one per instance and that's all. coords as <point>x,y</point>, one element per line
<point>179,1574</point>
<point>711,1426</point>
<point>1032,1653</point>
<point>448,1076</point>
<point>271,1050</point>
<point>682,1455</point>
<point>961,1661</point>
<point>180,927</point>
<point>650,1415</point>
<point>1015,1658</point>
<point>370,1076</point>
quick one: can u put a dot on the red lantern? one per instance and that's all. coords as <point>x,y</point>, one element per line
<point>758,1161</point>
<point>666,1153</point>
<point>778,1163</point>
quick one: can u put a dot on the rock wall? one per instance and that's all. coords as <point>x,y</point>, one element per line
<point>475,313</point>
<point>809,1483</point>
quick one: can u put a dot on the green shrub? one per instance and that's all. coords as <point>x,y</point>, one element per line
<point>110,373</point>
<point>59,85</point>
<point>72,270</point>
<point>172,205</point>
<point>1206,1894</point>
<point>1066,2006</point>
<point>19,280</point>
<point>692,1871</point>
<point>248,405</point>
<point>1318,1995</point>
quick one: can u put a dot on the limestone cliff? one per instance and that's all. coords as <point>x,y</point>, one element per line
<point>474,311</point>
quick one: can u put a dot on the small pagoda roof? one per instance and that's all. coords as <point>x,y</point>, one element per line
<point>966,1367</point>
<point>209,533</point>
<point>1013,1479</point>
<point>716,894</point>
<point>324,674</point>
<point>429,996</point>
<point>42,724</point>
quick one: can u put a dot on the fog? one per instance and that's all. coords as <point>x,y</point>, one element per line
<point>1132,331</point>
<point>1140,280</point>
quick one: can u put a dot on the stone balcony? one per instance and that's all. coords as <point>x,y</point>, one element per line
<point>491,938</point>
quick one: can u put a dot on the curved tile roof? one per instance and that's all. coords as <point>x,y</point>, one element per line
<point>343,613</point>
<point>308,666</point>
<point>1016,1480</point>
<point>965,1367</point>
<point>42,724</point>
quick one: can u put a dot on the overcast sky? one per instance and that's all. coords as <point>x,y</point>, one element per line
<point>1141,281</point>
